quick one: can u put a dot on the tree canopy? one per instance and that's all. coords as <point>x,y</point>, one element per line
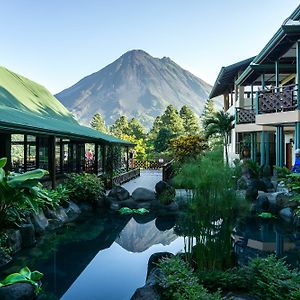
<point>98,123</point>
<point>190,120</point>
<point>172,121</point>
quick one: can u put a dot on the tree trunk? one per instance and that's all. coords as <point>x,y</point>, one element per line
<point>226,149</point>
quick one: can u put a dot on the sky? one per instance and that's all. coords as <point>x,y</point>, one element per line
<point>58,42</point>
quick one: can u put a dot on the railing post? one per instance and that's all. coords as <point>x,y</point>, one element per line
<point>298,72</point>
<point>297,135</point>
<point>256,103</point>
<point>262,149</point>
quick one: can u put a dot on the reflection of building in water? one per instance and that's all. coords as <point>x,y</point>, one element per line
<point>264,237</point>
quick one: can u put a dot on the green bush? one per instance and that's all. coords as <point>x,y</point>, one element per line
<point>85,187</point>
<point>178,281</point>
<point>59,195</point>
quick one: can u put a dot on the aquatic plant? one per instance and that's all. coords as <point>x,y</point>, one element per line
<point>208,224</point>
<point>24,276</point>
<point>129,211</point>
<point>266,215</point>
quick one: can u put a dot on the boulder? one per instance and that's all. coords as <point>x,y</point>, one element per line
<point>154,276</point>
<point>143,194</point>
<point>154,258</point>
<point>39,221</point>
<point>146,293</point>
<point>14,240</point>
<point>115,206</point>
<point>280,199</point>
<point>85,207</point>
<point>72,211</point>
<point>266,181</point>
<point>17,291</point>
<point>54,224</point>
<point>129,203</point>
<point>252,189</point>
<point>286,214</point>
<point>262,203</point>
<point>118,193</point>
<point>165,223</point>
<point>4,259</point>
<point>28,235</point>
<point>56,214</point>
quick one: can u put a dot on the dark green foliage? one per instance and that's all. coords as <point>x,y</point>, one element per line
<point>85,187</point>
<point>4,244</point>
<point>208,111</point>
<point>167,196</point>
<point>267,278</point>
<point>179,282</point>
<point>163,137</point>
<point>157,125</point>
<point>59,195</point>
<point>172,121</point>
<point>98,123</point>
<point>136,129</point>
<point>190,121</point>
<point>120,126</point>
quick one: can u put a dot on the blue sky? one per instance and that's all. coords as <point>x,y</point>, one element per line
<point>58,42</point>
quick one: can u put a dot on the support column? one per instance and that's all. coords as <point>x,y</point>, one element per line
<point>127,158</point>
<point>263,83</point>
<point>279,146</point>
<point>252,97</point>
<point>297,135</point>
<point>253,145</point>
<point>51,160</point>
<point>262,149</point>
<point>267,147</point>
<point>298,71</point>
<point>5,149</point>
<point>96,162</point>
<point>277,74</point>
<point>256,104</point>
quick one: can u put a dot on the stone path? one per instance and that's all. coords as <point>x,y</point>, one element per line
<point>148,179</point>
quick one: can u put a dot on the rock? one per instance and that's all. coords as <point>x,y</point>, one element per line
<point>72,211</point>
<point>172,207</point>
<point>39,221</point>
<point>233,296</point>
<point>165,223</point>
<point>297,221</point>
<point>286,214</point>
<point>28,235</point>
<point>56,214</point>
<point>154,277</point>
<point>115,206</point>
<point>262,203</point>
<point>146,293</point>
<point>4,259</point>
<point>165,192</point>
<point>143,194</point>
<point>17,291</point>
<point>268,184</point>
<point>54,224</point>
<point>252,189</point>
<point>14,240</point>
<point>85,207</point>
<point>146,205</point>
<point>129,203</point>
<point>118,193</point>
<point>281,187</point>
<point>280,199</point>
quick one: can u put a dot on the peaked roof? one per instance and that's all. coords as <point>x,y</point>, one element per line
<point>225,80</point>
<point>24,104</point>
<point>282,40</point>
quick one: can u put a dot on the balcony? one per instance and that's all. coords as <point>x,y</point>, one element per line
<point>278,99</point>
<point>245,115</point>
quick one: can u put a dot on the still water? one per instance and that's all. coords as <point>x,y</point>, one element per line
<point>105,256</point>
<point>102,257</point>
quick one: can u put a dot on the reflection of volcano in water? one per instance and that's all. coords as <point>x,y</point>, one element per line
<point>137,237</point>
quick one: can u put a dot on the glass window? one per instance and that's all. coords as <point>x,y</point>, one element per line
<point>43,153</point>
<point>31,152</point>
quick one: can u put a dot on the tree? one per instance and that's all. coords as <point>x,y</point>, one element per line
<point>136,129</point>
<point>208,111</point>
<point>172,121</point>
<point>190,121</point>
<point>98,123</point>
<point>157,125</point>
<point>221,124</point>
<point>162,139</point>
<point>120,126</point>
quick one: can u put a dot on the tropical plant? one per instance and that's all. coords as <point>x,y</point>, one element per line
<point>220,124</point>
<point>25,276</point>
<point>129,211</point>
<point>59,195</point>
<point>85,187</point>
<point>20,193</point>
<point>178,282</point>
<point>188,147</point>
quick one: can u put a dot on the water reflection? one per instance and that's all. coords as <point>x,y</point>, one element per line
<point>104,257</point>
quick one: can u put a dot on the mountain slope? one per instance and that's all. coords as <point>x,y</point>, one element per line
<point>136,85</point>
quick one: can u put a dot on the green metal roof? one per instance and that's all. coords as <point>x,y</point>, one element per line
<point>28,106</point>
<point>225,80</point>
<point>283,39</point>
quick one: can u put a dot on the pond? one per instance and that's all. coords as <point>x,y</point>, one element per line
<point>104,256</point>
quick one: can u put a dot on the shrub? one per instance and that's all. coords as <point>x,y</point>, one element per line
<point>59,195</point>
<point>85,187</point>
<point>179,283</point>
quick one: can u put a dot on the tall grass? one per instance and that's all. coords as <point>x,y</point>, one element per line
<point>214,206</point>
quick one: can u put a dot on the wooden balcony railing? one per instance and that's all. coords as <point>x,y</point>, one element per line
<point>278,99</point>
<point>245,115</point>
